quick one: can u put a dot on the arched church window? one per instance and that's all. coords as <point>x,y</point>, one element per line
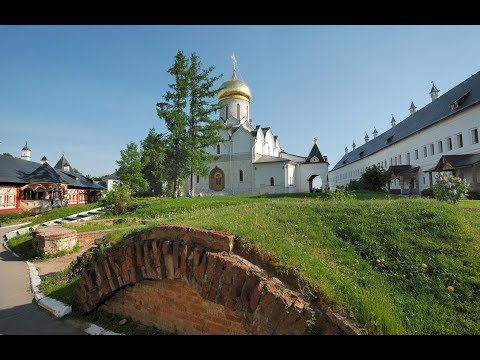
<point>218,148</point>
<point>272,181</point>
<point>226,112</point>
<point>241,175</point>
<point>238,111</point>
<point>198,179</point>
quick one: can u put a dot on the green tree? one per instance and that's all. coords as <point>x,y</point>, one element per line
<point>172,111</point>
<point>374,178</point>
<point>130,168</point>
<point>203,131</point>
<point>7,154</point>
<point>153,155</point>
<point>119,199</point>
<point>75,170</point>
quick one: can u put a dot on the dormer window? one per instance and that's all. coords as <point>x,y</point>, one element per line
<point>454,105</point>
<point>361,153</point>
<point>66,168</point>
<point>344,161</point>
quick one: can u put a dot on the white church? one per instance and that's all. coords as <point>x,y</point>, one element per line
<point>250,159</point>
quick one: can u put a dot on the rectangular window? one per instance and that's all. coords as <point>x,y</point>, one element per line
<point>408,158</point>
<point>424,180</point>
<point>432,149</point>
<point>424,151</point>
<point>474,133</point>
<point>440,147</point>
<point>416,154</point>
<point>218,148</point>
<point>400,159</point>
<point>395,160</point>
<point>449,144</point>
<point>459,141</point>
<point>198,179</point>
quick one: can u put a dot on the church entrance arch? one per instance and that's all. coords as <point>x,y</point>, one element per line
<point>315,182</point>
<point>217,179</point>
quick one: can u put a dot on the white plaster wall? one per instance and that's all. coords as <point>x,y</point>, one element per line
<point>307,170</point>
<point>232,110</point>
<point>462,122</point>
<point>264,172</point>
<point>268,143</point>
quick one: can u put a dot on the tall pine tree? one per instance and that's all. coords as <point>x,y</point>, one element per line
<point>172,111</point>
<point>203,131</point>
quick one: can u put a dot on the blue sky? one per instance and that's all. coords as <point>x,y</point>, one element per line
<point>89,90</point>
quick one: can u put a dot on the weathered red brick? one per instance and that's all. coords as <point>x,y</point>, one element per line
<point>176,258</point>
<point>199,263</point>
<point>184,259</point>
<point>109,275</point>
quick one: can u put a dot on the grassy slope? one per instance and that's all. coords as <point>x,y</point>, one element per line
<point>335,245</point>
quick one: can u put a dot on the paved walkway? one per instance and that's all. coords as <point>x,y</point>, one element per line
<point>19,313</point>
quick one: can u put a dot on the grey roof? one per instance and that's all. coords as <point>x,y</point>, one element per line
<point>412,106</point>
<point>44,158</point>
<point>434,88</point>
<point>315,152</point>
<point>62,163</point>
<point>18,171</point>
<point>458,161</point>
<point>14,170</point>
<point>254,132</point>
<point>77,180</point>
<point>112,176</point>
<point>265,129</point>
<point>293,157</point>
<point>466,94</point>
<point>26,147</point>
<point>269,159</point>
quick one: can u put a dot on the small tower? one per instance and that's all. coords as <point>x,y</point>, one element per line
<point>393,121</point>
<point>412,108</point>
<point>375,133</point>
<point>26,152</point>
<point>346,149</point>
<point>354,145</point>
<point>434,92</point>
<point>44,160</point>
<point>366,138</point>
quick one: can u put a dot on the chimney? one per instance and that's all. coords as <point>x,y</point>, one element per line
<point>375,133</point>
<point>366,138</point>
<point>346,149</point>
<point>353,145</point>
<point>413,108</point>
<point>393,121</point>
<point>434,92</point>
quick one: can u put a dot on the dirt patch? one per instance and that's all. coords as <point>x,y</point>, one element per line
<point>52,266</point>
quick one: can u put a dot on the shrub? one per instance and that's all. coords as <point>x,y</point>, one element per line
<point>473,195</point>
<point>341,194</point>
<point>119,199</point>
<point>427,193</point>
<point>374,178</point>
<point>450,188</point>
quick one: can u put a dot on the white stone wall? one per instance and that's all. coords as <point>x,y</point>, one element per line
<point>264,172</point>
<point>462,123</point>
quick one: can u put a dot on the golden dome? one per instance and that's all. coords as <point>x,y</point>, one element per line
<point>234,88</point>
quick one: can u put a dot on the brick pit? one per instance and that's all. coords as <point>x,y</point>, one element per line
<point>52,239</point>
<point>187,280</point>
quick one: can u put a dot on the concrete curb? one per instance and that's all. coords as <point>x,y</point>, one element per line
<point>55,307</point>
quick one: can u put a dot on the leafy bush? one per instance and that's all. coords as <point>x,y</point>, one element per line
<point>450,188</point>
<point>119,199</point>
<point>473,195</point>
<point>427,193</point>
<point>374,178</point>
<point>341,194</point>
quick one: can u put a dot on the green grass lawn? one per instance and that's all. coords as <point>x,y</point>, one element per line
<point>362,254</point>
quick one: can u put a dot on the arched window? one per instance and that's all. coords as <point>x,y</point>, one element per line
<point>226,112</point>
<point>241,175</point>
<point>218,148</point>
<point>198,179</point>
<point>238,111</point>
<point>272,181</point>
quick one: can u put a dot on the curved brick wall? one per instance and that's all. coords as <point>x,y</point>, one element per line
<point>199,286</point>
